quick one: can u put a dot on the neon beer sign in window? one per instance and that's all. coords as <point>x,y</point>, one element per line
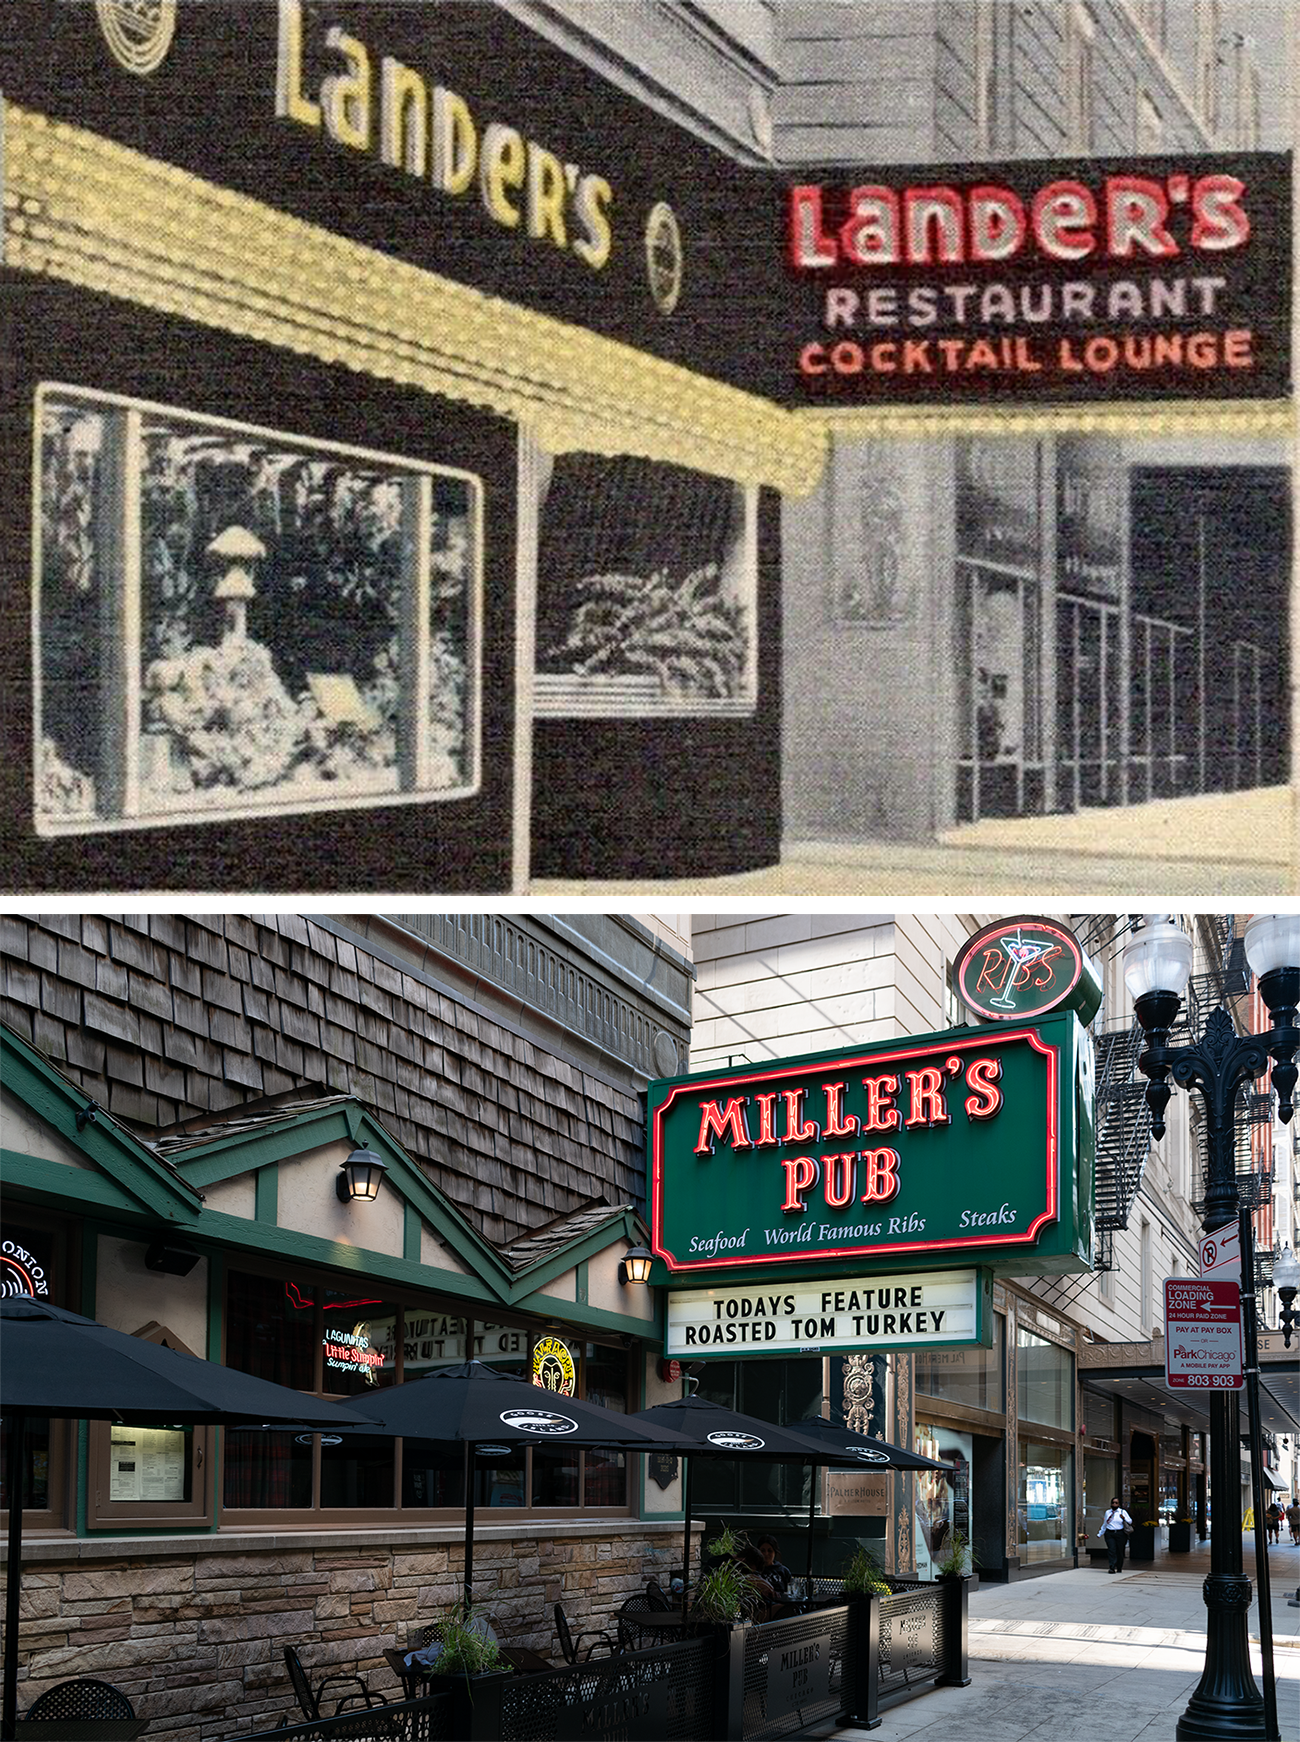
<point>967,1142</point>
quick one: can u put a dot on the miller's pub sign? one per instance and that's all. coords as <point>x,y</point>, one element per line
<point>973,1146</point>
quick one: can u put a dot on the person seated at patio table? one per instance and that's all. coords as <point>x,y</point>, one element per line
<point>770,1604</point>
<point>774,1570</point>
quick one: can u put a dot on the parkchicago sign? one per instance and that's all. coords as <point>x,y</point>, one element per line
<point>969,1147</point>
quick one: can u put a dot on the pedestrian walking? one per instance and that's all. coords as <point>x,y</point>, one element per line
<point>1293,1519</point>
<point>1115,1527</point>
<point>1273,1519</point>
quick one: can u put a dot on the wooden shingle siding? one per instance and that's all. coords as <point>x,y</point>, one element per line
<point>858,84</point>
<point>1039,117</point>
<point>954,85</point>
<point>162,1019</point>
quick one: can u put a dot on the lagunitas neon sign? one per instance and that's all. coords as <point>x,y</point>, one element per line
<point>1016,969</point>
<point>972,1142</point>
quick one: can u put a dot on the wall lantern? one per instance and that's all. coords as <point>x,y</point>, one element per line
<point>360,1177</point>
<point>171,1257</point>
<point>635,1266</point>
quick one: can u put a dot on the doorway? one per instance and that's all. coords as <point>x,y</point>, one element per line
<point>1208,688</point>
<point>1142,1495</point>
<point>1000,750</point>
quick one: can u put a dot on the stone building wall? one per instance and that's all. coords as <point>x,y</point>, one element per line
<point>193,1630</point>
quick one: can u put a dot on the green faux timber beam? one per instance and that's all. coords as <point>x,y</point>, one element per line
<point>128,1182</point>
<point>55,1098</point>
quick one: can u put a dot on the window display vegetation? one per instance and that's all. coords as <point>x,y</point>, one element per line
<point>232,620</point>
<point>646,579</point>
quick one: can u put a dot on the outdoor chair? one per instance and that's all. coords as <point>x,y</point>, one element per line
<point>656,1596</point>
<point>309,1698</point>
<point>571,1644</point>
<point>625,1620</point>
<point>80,1700</point>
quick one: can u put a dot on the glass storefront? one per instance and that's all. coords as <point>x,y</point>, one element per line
<point>1100,1485</point>
<point>344,1342</point>
<point>779,1391</point>
<point>968,1376</point>
<point>943,1501</point>
<point>1044,1381</point>
<point>1045,1506</point>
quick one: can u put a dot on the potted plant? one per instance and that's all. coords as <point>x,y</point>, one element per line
<point>955,1561</point>
<point>864,1576</point>
<point>725,1546</point>
<point>466,1652</point>
<point>1142,1543</point>
<point>1180,1536</point>
<point>725,1594</point>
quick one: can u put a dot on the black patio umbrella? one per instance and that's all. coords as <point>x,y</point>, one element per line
<point>717,1432</point>
<point>53,1362</point>
<point>865,1452</point>
<point>474,1405</point>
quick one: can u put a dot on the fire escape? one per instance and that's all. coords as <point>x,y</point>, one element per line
<point>1123,1123</point>
<point>1227,978</point>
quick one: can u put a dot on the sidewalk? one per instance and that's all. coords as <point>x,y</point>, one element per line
<point>1084,1657</point>
<point>1221,845</point>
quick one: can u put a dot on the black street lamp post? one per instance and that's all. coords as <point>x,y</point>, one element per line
<point>1226,1703</point>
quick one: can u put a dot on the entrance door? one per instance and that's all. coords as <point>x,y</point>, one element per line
<point>1000,765</point>
<point>1162,701</point>
<point>1249,679</point>
<point>1211,560</point>
<point>1142,1496</point>
<point>1087,704</point>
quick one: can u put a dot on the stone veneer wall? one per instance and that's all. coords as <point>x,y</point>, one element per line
<point>194,1639</point>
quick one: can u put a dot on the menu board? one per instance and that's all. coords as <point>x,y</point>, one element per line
<point>148,1463</point>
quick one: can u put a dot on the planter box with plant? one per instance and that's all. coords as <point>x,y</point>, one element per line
<point>955,1562</point>
<point>465,1651</point>
<point>864,1576</point>
<point>1180,1536</point>
<point>726,1594</point>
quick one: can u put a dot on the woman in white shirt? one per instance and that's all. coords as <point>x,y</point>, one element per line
<point>1114,1526</point>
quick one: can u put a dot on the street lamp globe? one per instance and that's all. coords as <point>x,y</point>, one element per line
<point>1273,951</point>
<point>1159,959</point>
<point>1286,1271</point>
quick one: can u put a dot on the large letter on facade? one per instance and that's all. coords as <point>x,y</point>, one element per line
<point>716,1121</point>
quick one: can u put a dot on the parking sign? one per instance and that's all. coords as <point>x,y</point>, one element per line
<point>1202,1335</point>
<point>1221,1254</point>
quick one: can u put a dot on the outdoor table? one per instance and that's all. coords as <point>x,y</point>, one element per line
<point>91,1729</point>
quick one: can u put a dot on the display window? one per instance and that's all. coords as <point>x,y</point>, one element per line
<point>154,1473</point>
<point>1044,1381</point>
<point>1045,1507</point>
<point>34,1260</point>
<point>942,1498</point>
<point>647,577</point>
<point>1100,1482</point>
<point>231,620</point>
<point>342,1342</point>
<point>971,1377</point>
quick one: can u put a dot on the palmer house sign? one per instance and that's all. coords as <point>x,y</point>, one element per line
<point>970,1147</point>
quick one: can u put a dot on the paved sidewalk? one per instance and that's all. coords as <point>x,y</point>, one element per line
<point>1221,845</point>
<point>1084,1657</point>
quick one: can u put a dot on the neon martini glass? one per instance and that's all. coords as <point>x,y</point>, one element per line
<point>1023,954</point>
